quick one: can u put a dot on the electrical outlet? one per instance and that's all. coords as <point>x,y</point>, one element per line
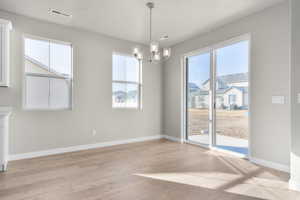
<point>94,132</point>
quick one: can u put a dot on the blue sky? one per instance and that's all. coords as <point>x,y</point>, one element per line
<point>125,68</point>
<point>230,60</point>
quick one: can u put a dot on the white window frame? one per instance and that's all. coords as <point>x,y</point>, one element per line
<point>6,27</point>
<point>70,78</point>
<point>139,84</point>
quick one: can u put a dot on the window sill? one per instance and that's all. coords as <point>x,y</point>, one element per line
<point>124,108</point>
<point>47,110</point>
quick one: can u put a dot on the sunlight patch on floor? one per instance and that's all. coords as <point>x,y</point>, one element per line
<point>256,187</point>
<point>207,180</point>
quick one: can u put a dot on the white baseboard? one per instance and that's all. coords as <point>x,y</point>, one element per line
<point>171,138</point>
<point>294,185</point>
<point>273,165</point>
<point>265,163</point>
<point>80,147</point>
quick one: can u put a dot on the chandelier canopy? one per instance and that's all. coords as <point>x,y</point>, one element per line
<point>156,54</point>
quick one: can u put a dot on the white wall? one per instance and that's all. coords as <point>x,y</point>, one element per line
<point>295,90</point>
<point>41,130</point>
<point>270,75</point>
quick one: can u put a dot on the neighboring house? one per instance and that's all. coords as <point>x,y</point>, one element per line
<point>231,92</point>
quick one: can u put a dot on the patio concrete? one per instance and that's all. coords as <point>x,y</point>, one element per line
<point>237,145</point>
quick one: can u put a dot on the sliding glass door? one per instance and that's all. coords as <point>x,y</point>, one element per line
<point>231,118</point>
<point>217,104</point>
<point>198,98</point>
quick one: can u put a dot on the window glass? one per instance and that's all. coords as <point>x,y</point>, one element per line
<point>37,50</point>
<point>60,58</point>
<point>37,92</point>
<point>119,94</point>
<point>125,68</point>
<point>59,93</point>
<point>132,92</point>
<point>126,82</point>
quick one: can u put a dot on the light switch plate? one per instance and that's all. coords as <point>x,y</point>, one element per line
<point>278,100</point>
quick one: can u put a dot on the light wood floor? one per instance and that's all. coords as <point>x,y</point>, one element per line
<point>156,170</point>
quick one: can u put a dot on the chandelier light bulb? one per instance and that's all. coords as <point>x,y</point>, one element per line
<point>136,51</point>
<point>156,57</point>
<point>154,47</point>
<point>139,56</point>
<point>166,52</point>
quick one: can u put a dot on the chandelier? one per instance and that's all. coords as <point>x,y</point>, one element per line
<point>156,54</point>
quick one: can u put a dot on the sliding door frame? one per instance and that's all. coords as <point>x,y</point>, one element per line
<point>184,131</point>
<point>212,109</point>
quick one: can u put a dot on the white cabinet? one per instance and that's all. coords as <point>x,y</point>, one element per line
<point>4,128</point>
<point>5,27</point>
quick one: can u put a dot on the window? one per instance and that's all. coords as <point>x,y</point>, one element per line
<point>126,84</point>
<point>48,74</point>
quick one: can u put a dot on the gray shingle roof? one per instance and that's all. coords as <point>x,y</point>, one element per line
<point>232,78</point>
<point>220,91</point>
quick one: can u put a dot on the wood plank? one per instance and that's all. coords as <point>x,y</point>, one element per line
<point>143,171</point>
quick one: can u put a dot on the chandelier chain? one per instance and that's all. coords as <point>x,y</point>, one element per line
<point>150,24</point>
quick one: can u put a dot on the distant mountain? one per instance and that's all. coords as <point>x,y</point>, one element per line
<point>132,94</point>
<point>119,93</point>
<point>123,95</point>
